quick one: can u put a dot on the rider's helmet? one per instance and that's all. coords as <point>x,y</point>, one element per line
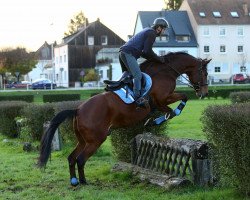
<point>160,22</point>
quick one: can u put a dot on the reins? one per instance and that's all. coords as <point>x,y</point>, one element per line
<point>195,86</point>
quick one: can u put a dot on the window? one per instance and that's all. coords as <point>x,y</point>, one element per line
<point>222,48</point>
<point>240,31</point>
<point>182,38</point>
<point>240,49</point>
<point>91,40</point>
<point>222,31</point>
<point>243,69</point>
<point>217,14</point>
<point>104,39</point>
<point>206,31</point>
<point>64,58</point>
<point>234,14</point>
<point>60,59</point>
<point>163,38</point>
<point>162,52</point>
<point>202,14</point>
<point>206,49</point>
<point>216,69</point>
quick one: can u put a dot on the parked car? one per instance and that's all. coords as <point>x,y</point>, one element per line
<point>42,84</point>
<point>22,84</point>
<point>241,78</point>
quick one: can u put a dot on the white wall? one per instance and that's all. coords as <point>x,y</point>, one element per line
<point>61,66</point>
<point>230,61</point>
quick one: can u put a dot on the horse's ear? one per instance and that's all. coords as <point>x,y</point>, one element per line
<point>206,61</point>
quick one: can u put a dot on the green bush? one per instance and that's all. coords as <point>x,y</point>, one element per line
<point>36,115</point>
<point>228,131</point>
<point>121,137</point>
<point>27,98</point>
<point>240,97</point>
<point>66,128</point>
<point>60,97</point>
<point>9,110</point>
<point>214,92</point>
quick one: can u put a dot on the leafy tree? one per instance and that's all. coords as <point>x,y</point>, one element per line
<point>173,4</point>
<point>78,21</point>
<point>91,75</point>
<point>17,60</point>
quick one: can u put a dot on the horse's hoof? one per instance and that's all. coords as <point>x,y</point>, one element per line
<point>74,181</point>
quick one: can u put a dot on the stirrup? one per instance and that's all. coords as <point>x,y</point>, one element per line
<point>142,102</point>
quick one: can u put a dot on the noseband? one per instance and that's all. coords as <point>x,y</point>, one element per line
<point>197,86</point>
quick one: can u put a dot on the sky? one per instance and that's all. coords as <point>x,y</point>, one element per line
<point>29,23</point>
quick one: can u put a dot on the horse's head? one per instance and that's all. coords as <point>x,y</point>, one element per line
<point>198,78</point>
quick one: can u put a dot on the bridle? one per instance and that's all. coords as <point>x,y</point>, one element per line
<point>196,86</point>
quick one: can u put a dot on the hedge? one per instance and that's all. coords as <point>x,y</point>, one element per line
<point>240,97</point>
<point>228,131</point>
<point>9,110</point>
<point>60,97</point>
<point>26,98</point>
<point>121,137</point>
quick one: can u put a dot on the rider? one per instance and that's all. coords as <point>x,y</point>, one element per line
<point>140,45</point>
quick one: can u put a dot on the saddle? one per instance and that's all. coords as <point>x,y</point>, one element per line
<point>124,86</point>
<point>125,80</point>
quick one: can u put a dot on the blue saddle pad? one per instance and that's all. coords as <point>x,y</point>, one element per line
<point>129,98</point>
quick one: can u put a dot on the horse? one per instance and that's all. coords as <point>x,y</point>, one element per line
<point>93,118</point>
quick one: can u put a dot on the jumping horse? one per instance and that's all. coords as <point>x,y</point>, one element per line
<point>93,118</point>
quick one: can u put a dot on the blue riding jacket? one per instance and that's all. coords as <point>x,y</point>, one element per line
<point>140,45</point>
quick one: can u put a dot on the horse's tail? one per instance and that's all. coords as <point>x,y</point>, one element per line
<point>45,148</point>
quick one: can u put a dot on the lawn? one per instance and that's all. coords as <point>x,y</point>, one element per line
<point>20,179</point>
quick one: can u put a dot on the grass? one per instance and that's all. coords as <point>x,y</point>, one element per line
<point>188,124</point>
<point>20,179</point>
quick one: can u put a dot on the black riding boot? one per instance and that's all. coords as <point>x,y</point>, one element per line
<point>139,100</point>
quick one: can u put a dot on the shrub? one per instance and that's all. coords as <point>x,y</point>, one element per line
<point>240,97</point>
<point>227,129</point>
<point>60,97</point>
<point>9,110</point>
<point>27,98</point>
<point>121,137</point>
<point>66,128</point>
<point>36,115</point>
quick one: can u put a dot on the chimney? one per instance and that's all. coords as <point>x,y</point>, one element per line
<point>245,9</point>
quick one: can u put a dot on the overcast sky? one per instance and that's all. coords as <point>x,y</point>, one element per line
<point>29,23</point>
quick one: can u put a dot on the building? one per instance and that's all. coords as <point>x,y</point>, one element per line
<point>43,68</point>
<point>77,52</point>
<point>222,29</point>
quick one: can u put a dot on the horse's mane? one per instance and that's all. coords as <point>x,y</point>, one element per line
<point>167,57</point>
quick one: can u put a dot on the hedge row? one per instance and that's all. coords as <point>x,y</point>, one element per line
<point>228,131</point>
<point>240,97</point>
<point>60,97</point>
<point>26,98</point>
<point>121,137</point>
<point>32,118</point>
<point>214,92</point>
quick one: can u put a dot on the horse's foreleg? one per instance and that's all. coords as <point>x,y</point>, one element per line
<point>169,112</point>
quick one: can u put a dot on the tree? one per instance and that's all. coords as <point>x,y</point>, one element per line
<point>91,75</point>
<point>173,4</point>
<point>78,21</point>
<point>17,60</point>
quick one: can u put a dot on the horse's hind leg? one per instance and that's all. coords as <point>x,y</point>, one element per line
<point>72,163</point>
<point>89,150</point>
<point>72,158</point>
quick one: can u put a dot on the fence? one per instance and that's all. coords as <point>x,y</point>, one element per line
<point>181,158</point>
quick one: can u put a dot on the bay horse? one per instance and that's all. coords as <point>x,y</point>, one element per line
<point>93,118</point>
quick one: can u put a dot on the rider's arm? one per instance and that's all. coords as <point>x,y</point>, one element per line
<point>147,51</point>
